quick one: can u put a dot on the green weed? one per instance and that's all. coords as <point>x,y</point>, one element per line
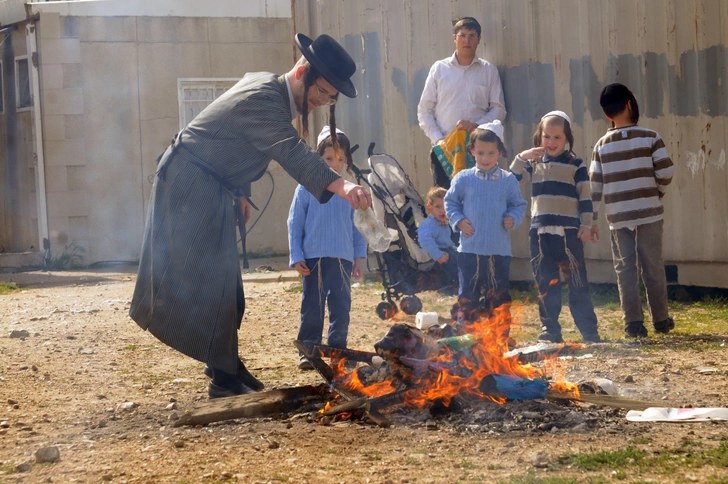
<point>7,287</point>
<point>466,464</point>
<point>607,459</point>
<point>71,257</point>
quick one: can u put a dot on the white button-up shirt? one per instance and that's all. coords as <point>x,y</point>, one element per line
<point>454,92</point>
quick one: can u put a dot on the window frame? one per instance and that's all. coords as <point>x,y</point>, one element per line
<point>29,107</point>
<point>201,82</point>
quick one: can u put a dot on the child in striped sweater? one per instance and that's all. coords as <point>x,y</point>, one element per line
<point>630,172</point>
<point>561,215</point>
<point>484,203</point>
<point>326,249</point>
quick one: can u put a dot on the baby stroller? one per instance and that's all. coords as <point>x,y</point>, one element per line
<point>405,267</point>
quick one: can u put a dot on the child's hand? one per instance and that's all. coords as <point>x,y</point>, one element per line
<point>443,258</point>
<point>594,233</point>
<point>302,268</point>
<point>357,271</point>
<point>532,154</point>
<point>508,222</point>
<point>585,234</point>
<point>465,227</point>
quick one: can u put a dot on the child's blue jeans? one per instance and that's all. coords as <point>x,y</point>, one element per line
<point>329,282</point>
<point>478,274</point>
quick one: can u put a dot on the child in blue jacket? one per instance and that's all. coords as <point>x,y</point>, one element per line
<point>326,249</point>
<point>484,203</point>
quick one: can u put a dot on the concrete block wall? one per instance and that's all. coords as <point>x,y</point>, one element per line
<point>110,107</point>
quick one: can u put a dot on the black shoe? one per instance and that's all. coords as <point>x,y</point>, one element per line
<point>304,364</point>
<point>214,391</point>
<point>244,375</point>
<point>635,329</point>
<point>592,338</point>
<point>550,336</point>
<point>665,326</point>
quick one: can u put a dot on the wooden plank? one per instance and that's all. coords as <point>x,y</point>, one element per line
<point>252,405</point>
<point>605,400</point>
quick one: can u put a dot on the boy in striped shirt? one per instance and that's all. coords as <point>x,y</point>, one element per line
<point>630,172</point>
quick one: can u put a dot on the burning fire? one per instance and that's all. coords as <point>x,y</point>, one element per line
<point>468,366</point>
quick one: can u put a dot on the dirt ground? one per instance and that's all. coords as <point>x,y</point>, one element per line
<point>68,384</point>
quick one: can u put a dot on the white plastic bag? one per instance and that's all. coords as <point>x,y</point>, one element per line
<point>377,236</point>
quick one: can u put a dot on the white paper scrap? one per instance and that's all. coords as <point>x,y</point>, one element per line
<point>663,414</point>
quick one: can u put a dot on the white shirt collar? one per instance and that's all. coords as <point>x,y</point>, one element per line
<point>291,100</point>
<point>454,61</point>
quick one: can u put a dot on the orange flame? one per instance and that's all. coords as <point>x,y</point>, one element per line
<point>460,372</point>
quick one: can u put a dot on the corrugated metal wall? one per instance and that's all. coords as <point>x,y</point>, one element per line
<point>555,54</point>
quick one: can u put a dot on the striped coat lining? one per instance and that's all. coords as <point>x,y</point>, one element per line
<point>189,291</point>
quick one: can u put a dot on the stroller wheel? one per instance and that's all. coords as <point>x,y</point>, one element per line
<point>386,309</point>
<point>411,304</point>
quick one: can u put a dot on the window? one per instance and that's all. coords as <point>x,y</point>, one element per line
<point>196,94</point>
<point>23,100</point>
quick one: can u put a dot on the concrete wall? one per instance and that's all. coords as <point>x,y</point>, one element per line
<point>18,219</point>
<point>110,107</point>
<point>558,54</point>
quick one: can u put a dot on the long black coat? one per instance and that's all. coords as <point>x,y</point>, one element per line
<point>189,290</point>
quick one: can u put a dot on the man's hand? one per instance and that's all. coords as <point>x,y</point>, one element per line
<point>585,234</point>
<point>357,196</point>
<point>443,258</point>
<point>465,228</point>
<point>357,271</point>
<point>594,233</point>
<point>302,268</point>
<point>245,207</point>
<point>466,125</point>
<point>508,222</point>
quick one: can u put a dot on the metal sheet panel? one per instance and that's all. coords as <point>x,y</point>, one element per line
<point>555,54</point>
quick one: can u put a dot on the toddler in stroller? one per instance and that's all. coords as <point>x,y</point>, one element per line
<point>405,268</point>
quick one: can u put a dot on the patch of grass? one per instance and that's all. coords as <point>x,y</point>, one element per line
<point>606,459</point>
<point>642,440</point>
<point>412,461</point>
<point>7,287</point>
<point>294,289</point>
<point>372,455</point>
<point>532,479</point>
<point>71,257</point>
<point>131,347</point>
<point>7,469</point>
<point>466,464</point>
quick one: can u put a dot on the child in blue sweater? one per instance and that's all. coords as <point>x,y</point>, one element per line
<point>326,249</point>
<point>561,217</point>
<point>434,234</point>
<point>484,203</point>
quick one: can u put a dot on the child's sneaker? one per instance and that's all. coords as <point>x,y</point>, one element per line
<point>304,364</point>
<point>550,336</point>
<point>635,329</point>
<point>665,326</point>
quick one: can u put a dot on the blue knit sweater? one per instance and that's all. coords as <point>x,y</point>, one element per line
<point>484,203</point>
<point>434,237</point>
<point>322,229</point>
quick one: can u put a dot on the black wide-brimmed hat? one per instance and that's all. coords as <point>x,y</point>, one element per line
<point>330,60</point>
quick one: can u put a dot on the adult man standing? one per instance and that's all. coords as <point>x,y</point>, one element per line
<point>462,91</point>
<point>189,290</point>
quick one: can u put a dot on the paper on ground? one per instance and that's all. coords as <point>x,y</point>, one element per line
<point>663,414</point>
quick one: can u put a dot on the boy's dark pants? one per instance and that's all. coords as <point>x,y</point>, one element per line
<point>549,260</point>
<point>329,282</point>
<point>640,249</point>
<point>451,266</point>
<point>476,273</point>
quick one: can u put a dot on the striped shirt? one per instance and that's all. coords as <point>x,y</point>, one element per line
<point>561,195</point>
<point>322,229</point>
<point>630,172</point>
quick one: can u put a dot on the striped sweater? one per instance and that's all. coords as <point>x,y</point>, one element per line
<point>561,195</point>
<point>630,171</point>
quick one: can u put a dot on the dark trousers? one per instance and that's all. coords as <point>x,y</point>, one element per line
<point>550,260</point>
<point>329,282</point>
<point>451,266</point>
<point>485,275</point>
<point>639,253</point>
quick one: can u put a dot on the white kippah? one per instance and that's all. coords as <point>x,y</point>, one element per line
<point>326,132</point>
<point>496,127</point>
<point>560,114</point>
